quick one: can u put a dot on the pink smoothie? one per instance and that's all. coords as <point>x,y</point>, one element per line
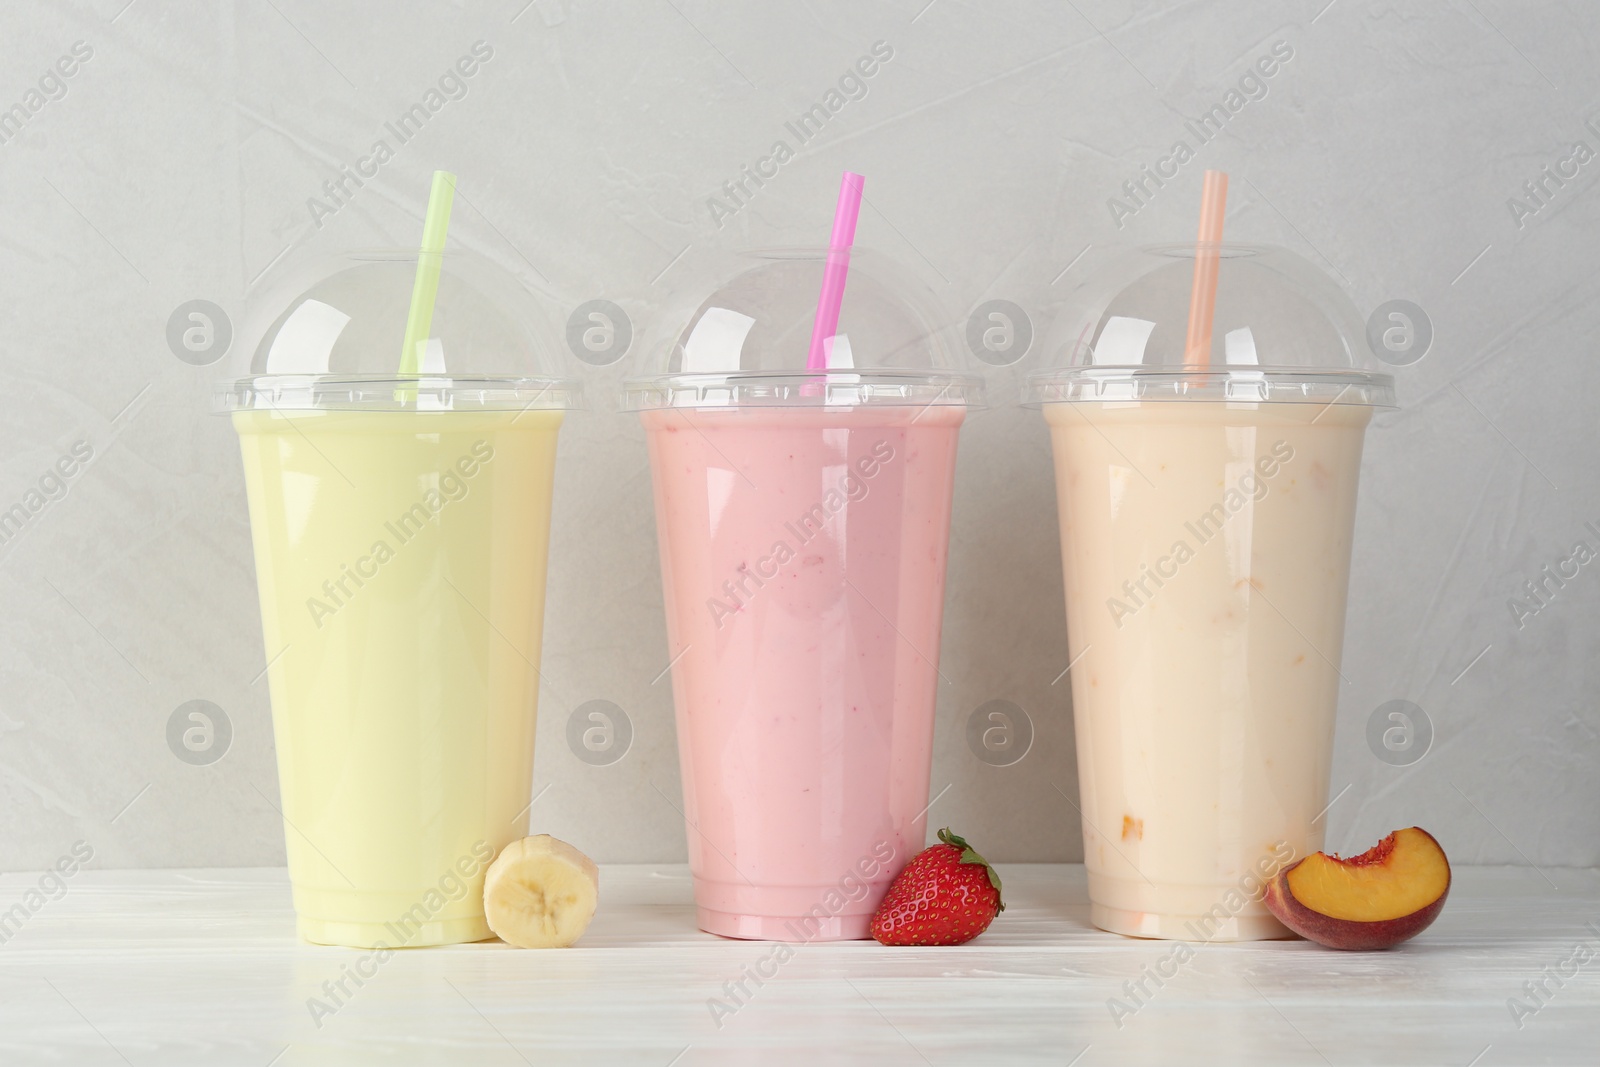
<point>803,560</point>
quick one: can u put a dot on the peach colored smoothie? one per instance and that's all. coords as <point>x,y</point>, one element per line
<point>803,561</point>
<point>1206,551</point>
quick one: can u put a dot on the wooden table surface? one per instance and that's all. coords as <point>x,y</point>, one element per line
<point>178,967</point>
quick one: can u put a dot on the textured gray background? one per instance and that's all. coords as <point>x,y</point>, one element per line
<point>178,164</point>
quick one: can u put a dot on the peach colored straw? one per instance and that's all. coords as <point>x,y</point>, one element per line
<point>1203,297</point>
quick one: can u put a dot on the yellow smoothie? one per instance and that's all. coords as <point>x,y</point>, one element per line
<point>401,558</point>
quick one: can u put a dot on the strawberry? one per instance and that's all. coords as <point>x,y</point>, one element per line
<point>947,895</point>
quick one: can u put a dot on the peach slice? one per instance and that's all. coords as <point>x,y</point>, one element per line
<point>1386,895</point>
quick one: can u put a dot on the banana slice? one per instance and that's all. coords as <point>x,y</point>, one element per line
<point>540,893</point>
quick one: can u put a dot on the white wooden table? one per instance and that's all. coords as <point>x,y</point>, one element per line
<point>202,967</point>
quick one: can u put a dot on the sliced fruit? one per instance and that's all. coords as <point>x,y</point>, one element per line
<point>540,893</point>
<point>1386,895</point>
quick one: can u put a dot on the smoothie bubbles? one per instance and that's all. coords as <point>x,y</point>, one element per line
<point>802,424</point>
<point>1206,405</point>
<point>398,426</point>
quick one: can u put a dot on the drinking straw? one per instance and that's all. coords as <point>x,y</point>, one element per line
<point>425,290</point>
<point>833,275</point>
<point>1203,297</point>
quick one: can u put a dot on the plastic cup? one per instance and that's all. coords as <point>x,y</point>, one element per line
<point>1206,526</point>
<point>401,527</point>
<point>804,522</point>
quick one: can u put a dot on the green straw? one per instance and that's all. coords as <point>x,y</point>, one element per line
<point>425,290</point>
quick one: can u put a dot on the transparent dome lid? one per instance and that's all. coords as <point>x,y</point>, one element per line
<point>1282,331</point>
<point>748,342</point>
<point>329,334</point>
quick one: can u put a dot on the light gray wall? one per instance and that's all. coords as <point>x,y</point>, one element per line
<point>178,164</point>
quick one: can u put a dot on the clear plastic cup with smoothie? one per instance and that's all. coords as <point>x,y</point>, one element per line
<point>401,524</point>
<point>1207,509</point>
<point>803,517</point>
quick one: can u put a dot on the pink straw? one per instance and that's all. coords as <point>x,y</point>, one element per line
<point>833,276</point>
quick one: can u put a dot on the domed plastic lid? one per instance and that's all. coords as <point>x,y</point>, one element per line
<point>748,342</point>
<point>330,334</point>
<point>1282,331</point>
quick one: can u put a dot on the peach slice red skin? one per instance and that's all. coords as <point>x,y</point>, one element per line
<point>1350,934</point>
